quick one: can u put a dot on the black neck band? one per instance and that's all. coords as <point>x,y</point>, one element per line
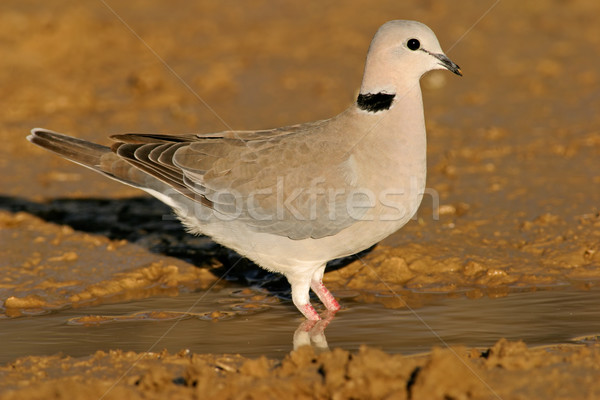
<point>375,102</point>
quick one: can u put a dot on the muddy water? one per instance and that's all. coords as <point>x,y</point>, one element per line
<point>537,318</point>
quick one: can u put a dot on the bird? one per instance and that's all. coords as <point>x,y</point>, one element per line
<point>293,198</point>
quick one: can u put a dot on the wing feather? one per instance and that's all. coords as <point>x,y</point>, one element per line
<point>266,179</point>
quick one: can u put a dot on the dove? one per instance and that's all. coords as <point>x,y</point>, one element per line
<point>293,198</point>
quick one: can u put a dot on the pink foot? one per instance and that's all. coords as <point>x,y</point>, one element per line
<point>309,312</point>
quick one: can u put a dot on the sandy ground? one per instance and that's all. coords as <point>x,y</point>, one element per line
<point>512,204</point>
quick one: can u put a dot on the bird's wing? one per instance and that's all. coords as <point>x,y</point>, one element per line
<point>269,180</point>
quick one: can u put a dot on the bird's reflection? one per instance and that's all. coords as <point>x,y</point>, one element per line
<point>312,333</point>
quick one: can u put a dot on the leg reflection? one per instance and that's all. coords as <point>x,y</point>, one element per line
<point>312,333</point>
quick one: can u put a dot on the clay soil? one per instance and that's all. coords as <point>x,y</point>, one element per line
<point>512,202</point>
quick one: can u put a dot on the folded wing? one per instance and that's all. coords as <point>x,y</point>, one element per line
<point>266,179</point>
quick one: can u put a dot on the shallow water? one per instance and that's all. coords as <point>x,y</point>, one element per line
<point>538,318</point>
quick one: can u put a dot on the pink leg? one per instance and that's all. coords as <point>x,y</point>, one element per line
<point>301,299</point>
<point>324,295</point>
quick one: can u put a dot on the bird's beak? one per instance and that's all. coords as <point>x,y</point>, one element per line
<point>447,63</point>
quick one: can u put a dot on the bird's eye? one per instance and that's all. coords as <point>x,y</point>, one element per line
<point>413,44</point>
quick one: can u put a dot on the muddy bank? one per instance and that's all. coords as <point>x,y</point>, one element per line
<point>507,370</point>
<point>48,267</point>
<point>551,253</point>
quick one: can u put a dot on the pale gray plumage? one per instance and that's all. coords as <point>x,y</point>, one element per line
<point>293,198</point>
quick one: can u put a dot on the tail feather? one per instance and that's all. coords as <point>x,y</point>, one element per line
<point>91,155</point>
<point>102,159</point>
<point>80,151</point>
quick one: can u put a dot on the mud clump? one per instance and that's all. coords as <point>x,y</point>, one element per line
<point>502,371</point>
